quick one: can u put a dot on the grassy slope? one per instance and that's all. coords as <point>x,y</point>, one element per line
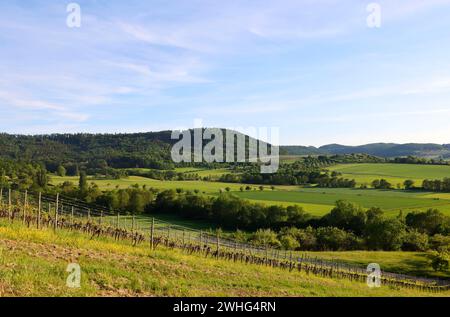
<point>33,263</point>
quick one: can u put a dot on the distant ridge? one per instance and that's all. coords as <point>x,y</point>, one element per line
<point>428,150</point>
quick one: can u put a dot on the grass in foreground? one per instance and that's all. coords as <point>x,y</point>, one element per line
<point>33,263</point>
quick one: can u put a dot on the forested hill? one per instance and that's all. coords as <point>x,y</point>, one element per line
<point>152,149</point>
<point>119,150</point>
<point>376,149</point>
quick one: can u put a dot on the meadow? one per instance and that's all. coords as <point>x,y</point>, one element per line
<point>365,173</point>
<point>201,172</point>
<point>110,184</point>
<point>317,201</point>
<point>33,263</point>
<point>391,201</point>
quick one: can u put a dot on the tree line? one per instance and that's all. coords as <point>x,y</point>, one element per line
<point>346,227</point>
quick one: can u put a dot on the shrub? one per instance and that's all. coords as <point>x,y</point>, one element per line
<point>439,260</point>
<point>415,241</point>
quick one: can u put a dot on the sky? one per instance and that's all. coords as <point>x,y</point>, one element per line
<point>314,69</point>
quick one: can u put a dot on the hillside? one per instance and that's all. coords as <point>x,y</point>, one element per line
<point>149,149</point>
<point>152,149</point>
<point>34,262</point>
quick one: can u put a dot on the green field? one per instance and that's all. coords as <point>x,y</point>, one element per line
<point>33,263</point>
<point>317,201</point>
<point>202,172</point>
<point>390,201</point>
<point>394,173</point>
<point>108,184</point>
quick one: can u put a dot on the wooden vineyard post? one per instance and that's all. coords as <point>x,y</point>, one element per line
<point>201,236</point>
<point>25,202</point>
<point>9,204</point>
<point>152,230</point>
<point>39,210</point>
<point>71,215</point>
<point>184,233</point>
<point>118,220</point>
<point>56,211</point>
<point>1,197</point>
<point>168,233</point>
<point>133,220</point>
<point>100,220</point>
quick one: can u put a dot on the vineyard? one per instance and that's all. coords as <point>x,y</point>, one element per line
<point>57,212</point>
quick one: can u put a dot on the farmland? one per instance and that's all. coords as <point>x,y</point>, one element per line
<point>390,201</point>
<point>317,201</point>
<point>393,173</point>
<point>109,184</point>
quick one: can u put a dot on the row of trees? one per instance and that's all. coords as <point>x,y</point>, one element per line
<point>290,174</point>
<point>226,210</point>
<point>164,175</point>
<point>335,239</point>
<point>418,160</point>
<point>437,185</point>
<point>346,227</point>
<point>130,200</point>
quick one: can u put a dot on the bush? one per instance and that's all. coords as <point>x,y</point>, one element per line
<point>334,239</point>
<point>384,234</point>
<point>289,242</point>
<point>439,260</point>
<point>266,238</point>
<point>439,242</point>
<point>415,241</point>
<point>431,222</point>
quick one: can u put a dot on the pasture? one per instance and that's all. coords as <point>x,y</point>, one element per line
<point>391,201</point>
<point>365,173</point>
<point>202,172</point>
<point>110,184</point>
<point>317,201</point>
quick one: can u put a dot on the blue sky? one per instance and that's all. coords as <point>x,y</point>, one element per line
<point>312,68</point>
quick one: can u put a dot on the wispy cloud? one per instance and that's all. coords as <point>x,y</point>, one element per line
<point>147,64</point>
